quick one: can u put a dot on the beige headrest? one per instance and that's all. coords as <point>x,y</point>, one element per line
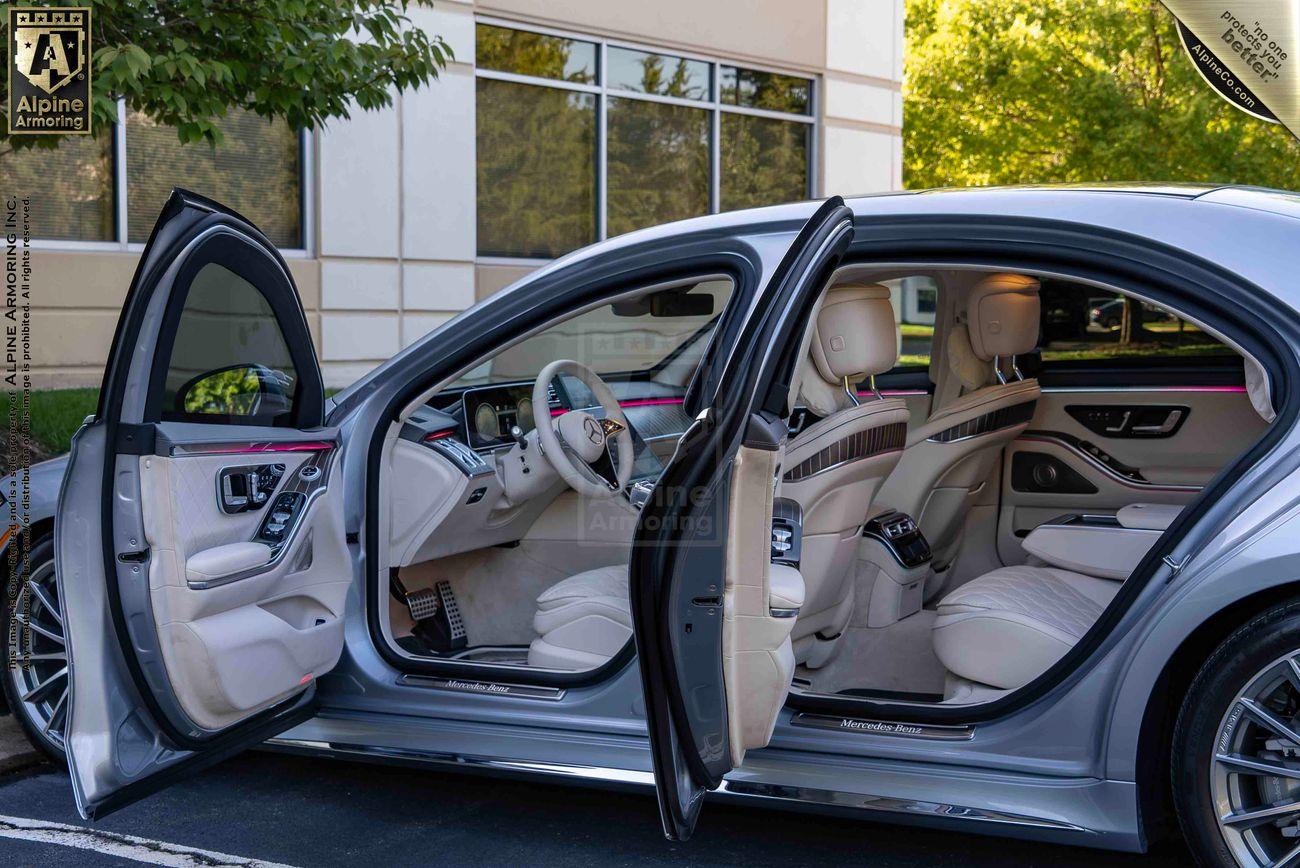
<point>1258,391</point>
<point>855,333</point>
<point>1002,316</point>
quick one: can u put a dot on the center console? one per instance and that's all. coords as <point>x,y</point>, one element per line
<point>893,565</point>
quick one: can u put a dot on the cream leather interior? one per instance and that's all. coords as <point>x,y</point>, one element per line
<point>950,457</point>
<point>760,607</point>
<point>835,466</point>
<point>236,648</point>
<point>582,621</point>
<point>1007,627</point>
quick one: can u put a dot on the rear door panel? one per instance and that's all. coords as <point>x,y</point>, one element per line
<point>1063,465</point>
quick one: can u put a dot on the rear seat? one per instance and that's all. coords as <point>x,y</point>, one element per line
<point>1008,626</point>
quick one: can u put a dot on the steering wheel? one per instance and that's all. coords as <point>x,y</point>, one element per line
<point>575,442</point>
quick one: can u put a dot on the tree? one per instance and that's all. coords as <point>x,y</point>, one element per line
<point>1035,91</point>
<point>186,63</point>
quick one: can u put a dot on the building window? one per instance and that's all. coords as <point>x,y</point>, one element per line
<point>256,171</point>
<point>71,188</point>
<point>77,188</point>
<point>580,140</point>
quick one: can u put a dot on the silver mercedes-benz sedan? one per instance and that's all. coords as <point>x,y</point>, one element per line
<point>853,505</point>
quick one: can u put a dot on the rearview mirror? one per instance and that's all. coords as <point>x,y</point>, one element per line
<point>666,304</point>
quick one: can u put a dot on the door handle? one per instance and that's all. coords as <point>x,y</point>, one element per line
<point>1170,422</point>
<point>1123,423</point>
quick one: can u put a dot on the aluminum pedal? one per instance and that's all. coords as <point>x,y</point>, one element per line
<point>447,599</point>
<point>424,603</point>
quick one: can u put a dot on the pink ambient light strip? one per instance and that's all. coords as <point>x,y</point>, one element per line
<point>260,448</point>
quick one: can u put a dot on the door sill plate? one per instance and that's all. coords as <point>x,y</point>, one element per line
<point>867,726</point>
<point>490,688</point>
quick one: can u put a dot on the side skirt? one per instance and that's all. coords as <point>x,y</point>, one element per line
<point>1085,812</point>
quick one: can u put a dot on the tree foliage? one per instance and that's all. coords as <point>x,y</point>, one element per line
<point>1032,91</point>
<point>186,63</point>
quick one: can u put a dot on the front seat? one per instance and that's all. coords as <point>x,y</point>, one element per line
<point>582,621</point>
<point>951,456</point>
<point>834,467</point>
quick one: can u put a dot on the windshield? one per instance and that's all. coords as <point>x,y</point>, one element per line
<point>638,337</point>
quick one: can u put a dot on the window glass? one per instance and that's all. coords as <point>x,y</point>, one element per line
<point>71,187</point>
<point>631,337</point>
<point>1085,324</point>
<point>536,169</point>
<point>658,163</point>
<point>914,300</point>
<point>525,53</point>
<point>662,74</point>
<point>764,161</point>
<point>255,171</point>
<point>230,362</point>
<point>764,90</point>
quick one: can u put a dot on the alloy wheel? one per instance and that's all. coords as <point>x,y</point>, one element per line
<point>38,655</point>
<point>1255,775</point>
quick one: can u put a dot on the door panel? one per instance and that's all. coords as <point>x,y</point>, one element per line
<point>1082,453</point>
<point>711,623</point>
<point>200,548</point>
<point>238,636</point>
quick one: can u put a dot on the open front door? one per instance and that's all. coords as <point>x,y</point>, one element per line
<point>201,553</point>
<point>712,613</point>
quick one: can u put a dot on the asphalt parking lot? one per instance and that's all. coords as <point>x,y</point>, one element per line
<point>269,809</point>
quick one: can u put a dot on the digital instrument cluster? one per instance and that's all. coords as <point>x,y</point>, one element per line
<point>490,414</point>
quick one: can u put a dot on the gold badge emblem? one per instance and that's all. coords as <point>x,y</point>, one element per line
<point>49,70</point>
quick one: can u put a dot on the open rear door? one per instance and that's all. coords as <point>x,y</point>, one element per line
<point>201,555</point>
<point>711,614</point>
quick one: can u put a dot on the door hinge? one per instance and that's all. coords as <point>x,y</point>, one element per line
<point>1175,567</point>
<point>136,439</point>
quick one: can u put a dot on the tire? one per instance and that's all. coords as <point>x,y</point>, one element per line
<point>1231,715</point>
<point>33,688</point>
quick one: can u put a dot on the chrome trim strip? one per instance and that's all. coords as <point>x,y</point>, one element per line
<point>468,761</point>
<point>739,790</point>
<point>1117,477</point>
<point>889,805</point>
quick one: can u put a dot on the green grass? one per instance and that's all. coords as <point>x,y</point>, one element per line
<point>912,330</point>
<point>1137,351</point>
<point>56,414</point>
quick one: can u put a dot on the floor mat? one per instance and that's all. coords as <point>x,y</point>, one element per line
<point>899,657</point>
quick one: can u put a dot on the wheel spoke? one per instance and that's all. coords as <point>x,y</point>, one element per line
<point>44,596</point>
<point>56,713</point>
<point>40,689</point>
<point>1258,816</point>
<point>1248,766</point>
<point>37,628</point>
<point>1288,859</point>
<point>1270,720</point>
<point>52,655</point>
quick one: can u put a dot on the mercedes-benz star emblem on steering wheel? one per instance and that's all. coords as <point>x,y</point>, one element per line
<point>594,432</point>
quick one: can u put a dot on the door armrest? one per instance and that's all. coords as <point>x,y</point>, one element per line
<point>785,591</point>
<point>212,566</point>
<point>1148,516</point>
